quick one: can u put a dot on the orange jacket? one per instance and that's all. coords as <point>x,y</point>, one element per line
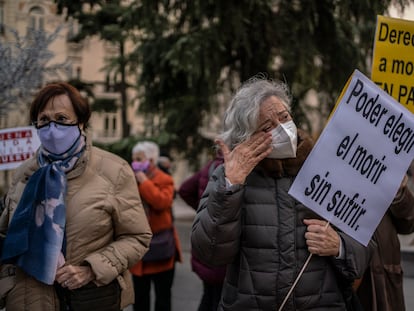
<point>157,193</point>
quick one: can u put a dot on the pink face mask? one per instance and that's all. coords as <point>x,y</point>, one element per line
<point>140,166</point>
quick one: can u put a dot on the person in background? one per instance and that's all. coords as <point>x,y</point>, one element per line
<point>408,239</point>
<point>164,163</point>
<point>247,220</point>
<point>381,287</point>
<point>73,220</point>
<point>157,191</point>
<point>191,191</point>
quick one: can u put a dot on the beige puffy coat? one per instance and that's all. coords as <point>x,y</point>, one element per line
<point>106,226</point>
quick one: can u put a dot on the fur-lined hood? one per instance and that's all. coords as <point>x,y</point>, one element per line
<point>289,167</point>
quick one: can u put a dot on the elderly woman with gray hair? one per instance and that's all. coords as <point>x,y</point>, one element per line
<point>158,265</point>
<point>247,220</point>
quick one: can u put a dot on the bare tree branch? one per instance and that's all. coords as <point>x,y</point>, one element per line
<point>24,66</point>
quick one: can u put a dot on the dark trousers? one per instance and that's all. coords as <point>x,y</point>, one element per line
<point>162,287</point>
<point>211,297</point>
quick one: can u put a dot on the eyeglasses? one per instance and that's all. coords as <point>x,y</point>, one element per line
<point>43,123</point>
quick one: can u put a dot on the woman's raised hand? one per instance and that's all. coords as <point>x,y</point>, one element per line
<point>239,162</point>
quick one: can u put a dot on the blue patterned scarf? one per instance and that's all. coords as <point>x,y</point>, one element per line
<point>35,237</point>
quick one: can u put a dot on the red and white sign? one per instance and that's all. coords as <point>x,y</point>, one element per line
<point>17,145</point>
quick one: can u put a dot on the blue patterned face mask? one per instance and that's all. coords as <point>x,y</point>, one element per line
<point>57,138</point>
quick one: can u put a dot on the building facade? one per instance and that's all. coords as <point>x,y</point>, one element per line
<point>85,62</point>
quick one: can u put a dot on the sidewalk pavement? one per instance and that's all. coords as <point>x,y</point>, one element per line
<point>182,211</point>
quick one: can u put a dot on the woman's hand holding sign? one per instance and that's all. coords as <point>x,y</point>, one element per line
<point>321,238</point>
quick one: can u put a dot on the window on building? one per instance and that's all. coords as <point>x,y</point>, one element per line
<point>36,18</point>
<point>78,73</point>
<point>114,123</point>
<point>106,124</point>
<point>110,125</point>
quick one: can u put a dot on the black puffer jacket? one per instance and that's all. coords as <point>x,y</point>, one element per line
<point>257,230</point>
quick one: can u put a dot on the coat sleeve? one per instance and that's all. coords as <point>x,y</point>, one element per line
<point>4,221</point>
<point>132,233</point>
<point>215,236</point>
<point>188,190</point>
<point>402,211</point>
<point>356,258</point>
<point>158,192</point>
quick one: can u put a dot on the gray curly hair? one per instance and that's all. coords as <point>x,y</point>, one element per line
<point>242,116</point>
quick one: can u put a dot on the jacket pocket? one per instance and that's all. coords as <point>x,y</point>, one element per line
<point>229,294</point>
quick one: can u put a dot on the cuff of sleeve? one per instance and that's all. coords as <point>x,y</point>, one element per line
<point>228,183</point>
<point>341,254</point>
<point>104,271</point>
<point>232,188</point>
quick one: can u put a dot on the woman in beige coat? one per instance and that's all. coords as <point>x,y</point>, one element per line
<point>74,221</point>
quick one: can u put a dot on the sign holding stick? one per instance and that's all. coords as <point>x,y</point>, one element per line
<point>355,169</point>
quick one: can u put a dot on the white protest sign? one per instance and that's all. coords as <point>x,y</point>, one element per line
<point>355,168</point>
<point>17,145</point>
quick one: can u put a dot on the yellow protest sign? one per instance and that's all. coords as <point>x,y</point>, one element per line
<point>393,59</point>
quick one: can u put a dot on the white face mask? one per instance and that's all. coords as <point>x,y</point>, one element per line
<point>284,141</point>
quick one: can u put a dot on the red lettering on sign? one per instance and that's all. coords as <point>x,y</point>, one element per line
<point>15,135</point>
<point>15,157</point>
